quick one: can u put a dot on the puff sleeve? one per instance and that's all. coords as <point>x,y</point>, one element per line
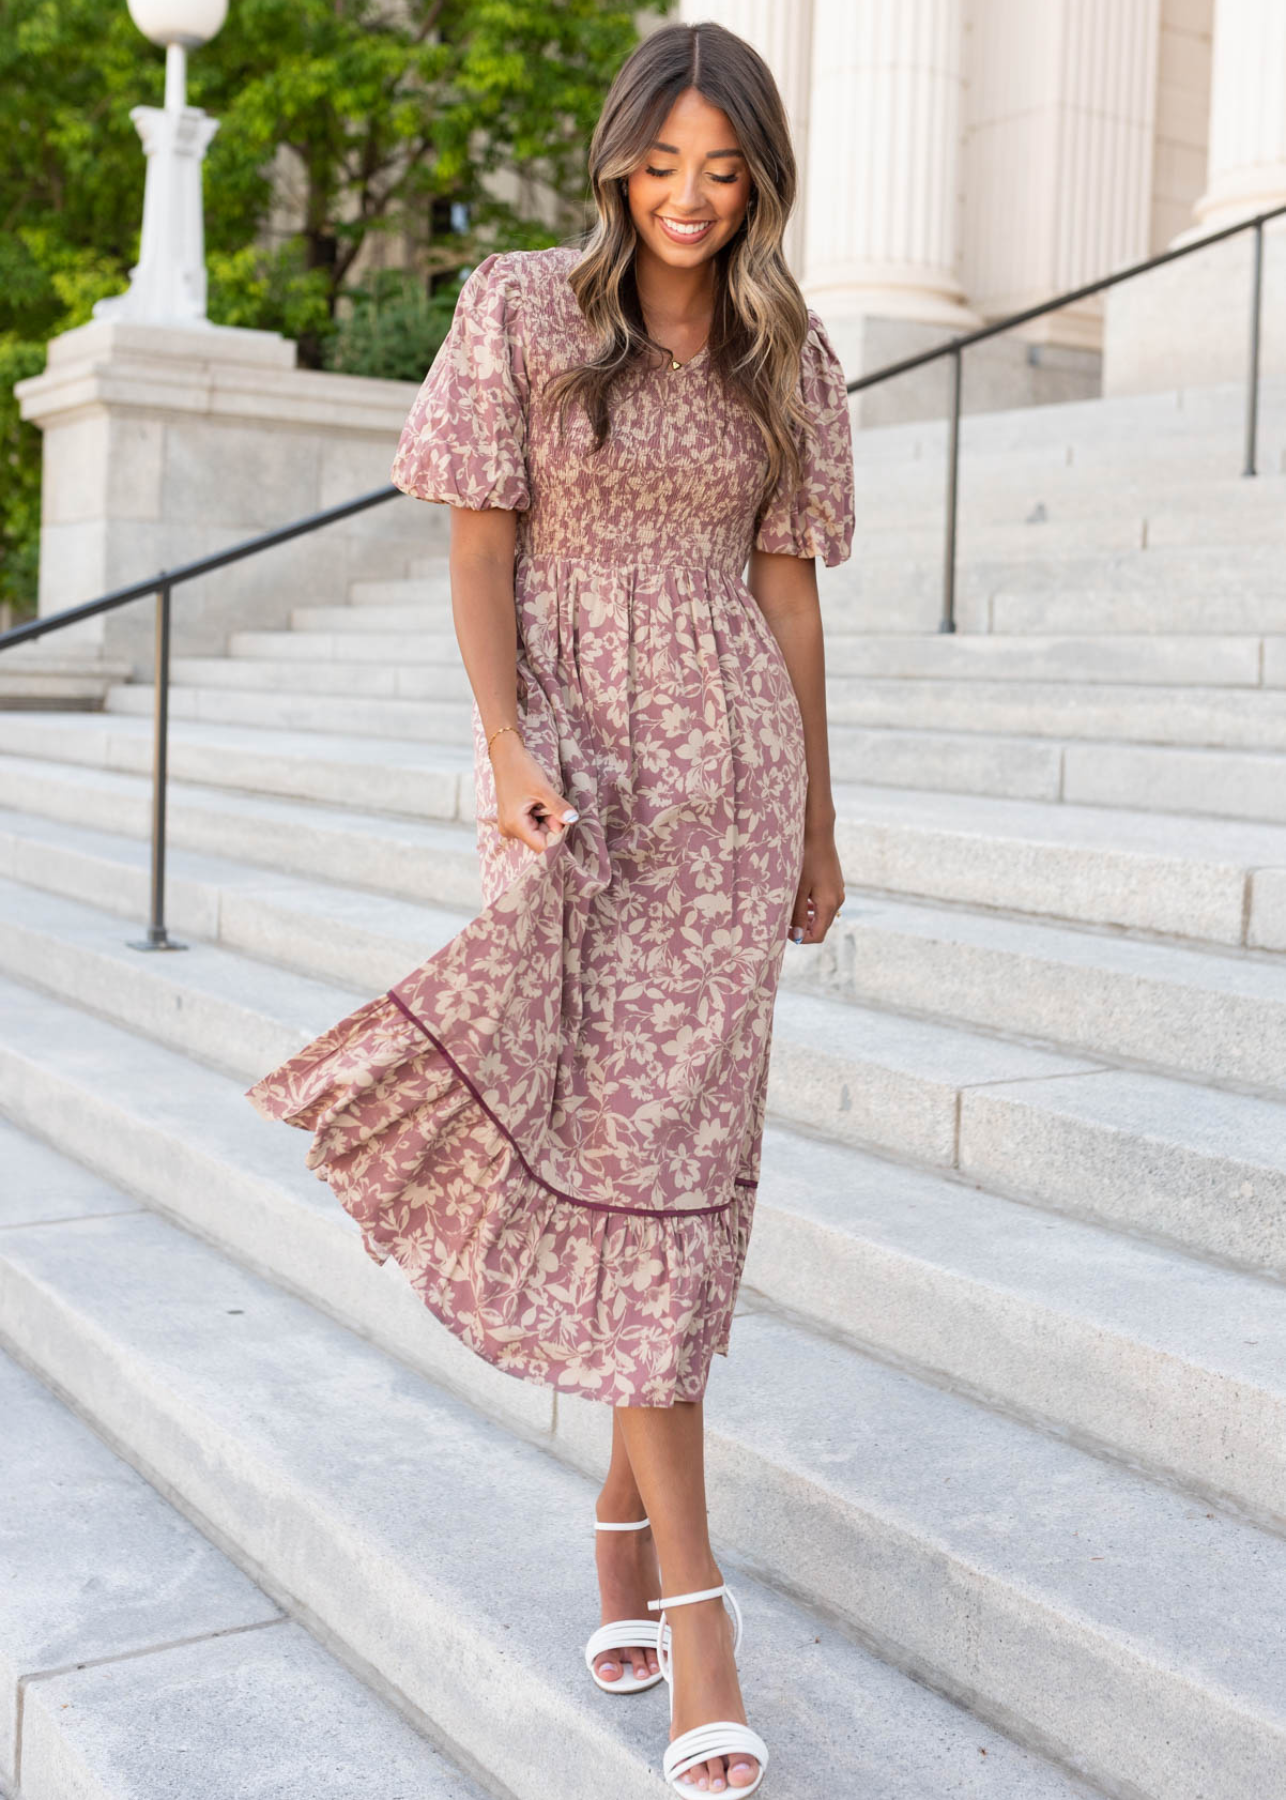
<point>464,440</point>
<point>816,518</point>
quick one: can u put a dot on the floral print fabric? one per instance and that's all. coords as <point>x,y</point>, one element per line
<point>553,1124</point>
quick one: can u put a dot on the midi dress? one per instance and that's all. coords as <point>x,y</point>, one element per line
<point>553,1124</point>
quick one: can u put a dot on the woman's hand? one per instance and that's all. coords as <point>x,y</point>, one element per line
<point>821,887</point>
<point>527,808</point>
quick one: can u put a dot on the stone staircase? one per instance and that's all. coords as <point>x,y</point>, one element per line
<point>998,1461</point>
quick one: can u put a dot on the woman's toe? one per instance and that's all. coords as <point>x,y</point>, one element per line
<point>742,1771</point>
<point>609,1669</point>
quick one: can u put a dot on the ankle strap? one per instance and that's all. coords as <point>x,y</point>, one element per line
<point>684,1599</point>
<point>621,1524</point>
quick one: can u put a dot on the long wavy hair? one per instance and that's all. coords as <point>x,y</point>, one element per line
<point>760,318</point>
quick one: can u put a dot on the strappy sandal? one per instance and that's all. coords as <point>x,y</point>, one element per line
<point>624,1634</point>
<point>725,1738</point>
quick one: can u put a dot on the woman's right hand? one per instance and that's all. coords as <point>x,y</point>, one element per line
<point>527,807</point>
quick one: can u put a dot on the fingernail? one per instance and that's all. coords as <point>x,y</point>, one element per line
<point>570,816</point>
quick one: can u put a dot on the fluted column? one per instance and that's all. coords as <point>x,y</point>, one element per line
<point>781,31</point>
<point>1247,167</point>
<point>882,215</point>
<point>1061,121</point>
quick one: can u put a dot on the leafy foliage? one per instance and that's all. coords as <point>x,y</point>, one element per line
<point>341,122</point>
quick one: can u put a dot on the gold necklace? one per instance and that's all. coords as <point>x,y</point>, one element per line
<point>674,361</point>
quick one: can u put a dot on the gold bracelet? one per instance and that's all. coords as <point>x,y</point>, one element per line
<point>496,733</point>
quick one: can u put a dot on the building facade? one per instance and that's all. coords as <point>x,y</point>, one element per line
<point>963,159</point>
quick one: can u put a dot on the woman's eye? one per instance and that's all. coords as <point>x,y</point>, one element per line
<point>661,173</point>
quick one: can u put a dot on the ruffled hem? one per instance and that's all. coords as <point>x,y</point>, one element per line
<point>621,1306</point>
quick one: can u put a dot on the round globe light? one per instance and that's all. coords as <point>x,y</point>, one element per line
<point>185,22</point>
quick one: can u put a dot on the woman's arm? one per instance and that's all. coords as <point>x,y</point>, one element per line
<point>785,589</point>
<point>482,608</point>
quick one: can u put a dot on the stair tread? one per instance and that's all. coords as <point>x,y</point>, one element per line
<point>189,1662</point>
<point>1143,1566</point>
<point>364,1459</point>
<point>913,1211</point>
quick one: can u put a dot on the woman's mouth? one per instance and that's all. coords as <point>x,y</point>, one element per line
<point>690,233</point>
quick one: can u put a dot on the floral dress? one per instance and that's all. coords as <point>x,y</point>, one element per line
<point>553,1124</point>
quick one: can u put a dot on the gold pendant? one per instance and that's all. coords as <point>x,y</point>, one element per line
<point>675,365</point>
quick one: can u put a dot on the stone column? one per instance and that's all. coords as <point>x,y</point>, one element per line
<point>1186,324</point>
<point>883,204</point>
<point>1247,167</point>
<point>782,34</point>
<point>1061,122</point>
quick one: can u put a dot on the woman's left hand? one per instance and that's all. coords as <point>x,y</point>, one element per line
<point>821,887</point>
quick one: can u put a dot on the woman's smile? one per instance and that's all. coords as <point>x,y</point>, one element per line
<point>685,231</point>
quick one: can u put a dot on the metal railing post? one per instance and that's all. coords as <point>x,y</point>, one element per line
<point>157,936</point>
<point>1252,388</point>
<point>948,620</point>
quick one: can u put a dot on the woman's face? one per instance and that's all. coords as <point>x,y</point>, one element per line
<point>688,196</point>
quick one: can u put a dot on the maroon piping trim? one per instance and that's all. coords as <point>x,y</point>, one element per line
<point>641,1212</point>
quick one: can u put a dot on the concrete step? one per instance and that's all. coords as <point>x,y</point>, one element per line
<point>355,646</point>
<point>1152,1355</point>
<point>34,677</point>
<point>132,1652</point>
<point>409,614</point>
<point>429,664</point>
<point>453,1576</point>
<point>418,780</point>
<point>425,680</point>
<point>397,856</point>
<point>1182,877</point>
<point>1197,1167</point>
<point>1105,610</point>
<point>428,585</point>
<point>1217,718</point>
<point>1185,1164</point>
<point>885,1246</point>
<point>1134,1632</point>
<point>1217,1017</point>
<point>424,779</point>
<point>376,718</point>
<point>1223,784</point>
<point>1112,659</point>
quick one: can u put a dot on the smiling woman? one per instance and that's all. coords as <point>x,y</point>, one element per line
<point>553,1125</point>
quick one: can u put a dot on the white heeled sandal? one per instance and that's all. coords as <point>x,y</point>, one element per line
<point>725,1738</point>
<point>624,1634</point>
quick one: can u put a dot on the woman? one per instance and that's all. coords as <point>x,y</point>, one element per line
<point>553,1125</point>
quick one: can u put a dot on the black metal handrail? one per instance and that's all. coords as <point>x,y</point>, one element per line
<point>955,348</point>
<point>165,581</point>
<point>162,585</point>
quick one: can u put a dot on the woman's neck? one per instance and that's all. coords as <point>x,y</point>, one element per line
<point>674,298</point>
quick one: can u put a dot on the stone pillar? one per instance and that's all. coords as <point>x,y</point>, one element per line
<point>782,34</point>
<point>1187,324</point>
<point>1061,122</point>
<point>1247,168</point>
<point>165,444</point>
<point>883,204</point>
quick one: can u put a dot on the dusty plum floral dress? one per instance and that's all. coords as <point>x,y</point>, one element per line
<point>553,1124</point>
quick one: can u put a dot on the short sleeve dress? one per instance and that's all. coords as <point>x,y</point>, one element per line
<point>553,1124</point>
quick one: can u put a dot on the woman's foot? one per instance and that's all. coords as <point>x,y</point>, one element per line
<point>704,1675</point>
<point>628,1577</point>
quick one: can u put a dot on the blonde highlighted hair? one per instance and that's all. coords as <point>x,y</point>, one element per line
<point>760,319</point>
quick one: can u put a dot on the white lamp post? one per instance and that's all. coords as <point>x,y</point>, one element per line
<point>167,286</point>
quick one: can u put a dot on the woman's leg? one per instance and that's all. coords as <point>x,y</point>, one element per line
<point>627,1571</point>
<point>666,1446</point>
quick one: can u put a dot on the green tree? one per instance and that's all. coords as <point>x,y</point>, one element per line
<point>340,121</point>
